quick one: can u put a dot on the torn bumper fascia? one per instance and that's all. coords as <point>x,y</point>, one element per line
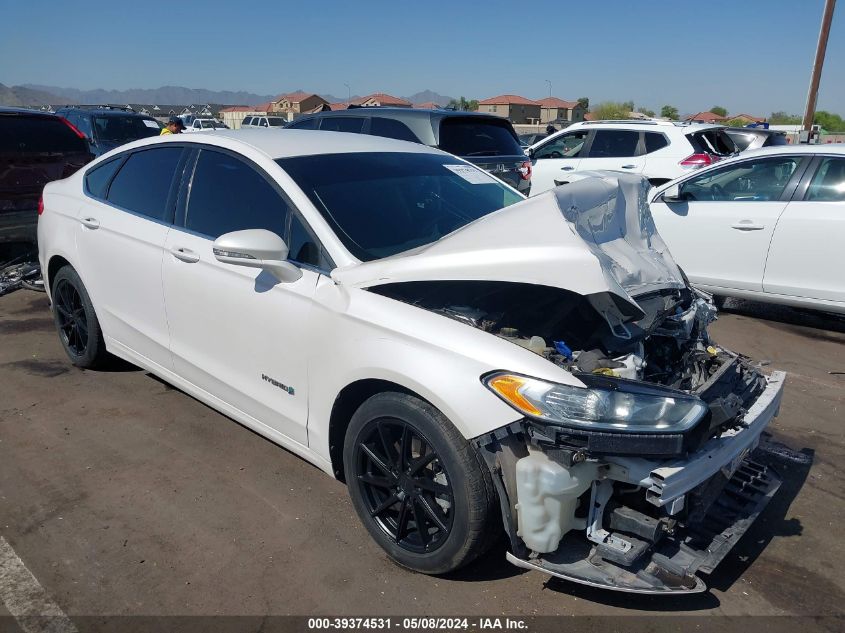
<point>667,482</point>
<point>674,564</point>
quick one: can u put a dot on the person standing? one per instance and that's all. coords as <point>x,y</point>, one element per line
<point>174,126</point>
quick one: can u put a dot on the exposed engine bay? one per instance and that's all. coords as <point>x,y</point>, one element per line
<point>634,511</point>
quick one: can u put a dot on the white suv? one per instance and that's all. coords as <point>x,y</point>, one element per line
<point>659,150</point>
<point>263,121</point>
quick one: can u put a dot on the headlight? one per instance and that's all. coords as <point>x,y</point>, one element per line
<point>606,404</point>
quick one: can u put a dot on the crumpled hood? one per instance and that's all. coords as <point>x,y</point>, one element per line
<point>593,237</point>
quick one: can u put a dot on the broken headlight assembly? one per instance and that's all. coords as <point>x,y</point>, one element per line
<point>605,404</point>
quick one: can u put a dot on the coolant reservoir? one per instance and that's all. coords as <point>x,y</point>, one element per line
<point>547,495</point>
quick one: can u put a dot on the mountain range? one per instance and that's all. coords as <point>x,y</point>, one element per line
<point>33,94</point>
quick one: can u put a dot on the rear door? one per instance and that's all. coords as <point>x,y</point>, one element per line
<point>553,160</point>
<point>123,225</point>
<point>720,230</point>
<point>805,258</point>
<point>618,150</point>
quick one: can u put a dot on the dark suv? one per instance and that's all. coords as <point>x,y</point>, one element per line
<point>107,127</point>
<point>35,148</point>
<point>485,140</point>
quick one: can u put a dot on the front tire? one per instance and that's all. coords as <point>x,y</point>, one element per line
<point>75,319</point>
<point>418,485</point>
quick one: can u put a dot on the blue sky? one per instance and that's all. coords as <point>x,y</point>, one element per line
<point>750,56</point>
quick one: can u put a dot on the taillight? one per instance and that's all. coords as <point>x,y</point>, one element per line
<point>40,205</point>
<point>699,160</point>
<point>72,127</point>
<point>525,170</point>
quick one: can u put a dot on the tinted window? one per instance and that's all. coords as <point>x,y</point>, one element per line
<point>478,137</point>
<point>614,144</point>
<point>227,195</point>
<point>753,180</point>
<point>304,247</point>
<point>143,183</point>
<point>97,180</point>
<point>391,128</point>
<point>352,124</point>
<point>828,184</point>
<point>247,120</point>
<point>776,139</point>
<point>84,125</point>
<point>122,129</point>
<point>304,124</point>
<point>654,142</point>
<point>38,134</point>
<point>715,141</point>
<point>383,203</point>
<point>262,122</point>
<point>567,145</point>
<point>275,121</point>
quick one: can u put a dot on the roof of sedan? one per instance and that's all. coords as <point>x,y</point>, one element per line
<point>825,148</point>
<point>286,143</point>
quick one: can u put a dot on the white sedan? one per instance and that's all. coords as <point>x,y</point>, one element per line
<point>463,358</point>
<point>768,225</point>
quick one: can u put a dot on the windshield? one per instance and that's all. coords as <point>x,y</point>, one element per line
<point>212,125</point>
<point>380,204</point>
<point>478,136</point>
<point>122,129</point>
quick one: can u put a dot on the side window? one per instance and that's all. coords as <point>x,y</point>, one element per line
<point>654,141</point>
<point>262,122</point>
<point>753,180</point>
<point>97,180</point>
<point>614,144</point>
<point>352,124</point>
<point>247,120</point>
<point>564,146</point>
<point>304,247</point>
<point>391,128</point>
<point>143,183</point>
<point>304,124</point>
<point>84,126</point>
<point>227,195</point>
<point>828,184</point>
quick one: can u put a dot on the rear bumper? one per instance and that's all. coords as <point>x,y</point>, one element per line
<point>18,226</point>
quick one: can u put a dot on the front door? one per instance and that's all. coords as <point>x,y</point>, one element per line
<point>720,230</point>
<point>556,159</point>
<point>238,333</point>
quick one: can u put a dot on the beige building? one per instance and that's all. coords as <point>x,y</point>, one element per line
<point>553,109</point>
<point>234,115</point>
<point>295,103</point>
<point>513,107</point>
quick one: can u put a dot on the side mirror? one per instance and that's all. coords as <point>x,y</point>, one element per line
<point>672,194</point>
<point>256,248</point>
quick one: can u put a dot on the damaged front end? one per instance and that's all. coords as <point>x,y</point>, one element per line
<point>639,473</point>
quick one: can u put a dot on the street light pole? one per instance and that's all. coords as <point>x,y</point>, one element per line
<point>550,87</point>
<point>348,94</point>
<point>821,48</point>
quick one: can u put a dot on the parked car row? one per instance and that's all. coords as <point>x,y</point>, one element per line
<point>411,325</point>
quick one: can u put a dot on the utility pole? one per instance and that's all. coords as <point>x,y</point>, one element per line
<point>550,87</point>
<point>348,94</point>
<point>821,48</point>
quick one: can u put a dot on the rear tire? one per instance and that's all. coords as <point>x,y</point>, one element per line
<point>76,322</point>
<point>431,506</point>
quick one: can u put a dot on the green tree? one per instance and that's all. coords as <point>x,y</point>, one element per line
<point>719,110</point>
<point>647,112</point>
<point>463,104</point>
<point>782,118</point>
<point>611,110</point>
<point>669,112</point>
<point>735,123</point>
<point>584,102</point>
<point>829,122</point>
<point>629,105</point>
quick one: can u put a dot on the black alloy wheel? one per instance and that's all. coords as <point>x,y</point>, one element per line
<point>70,315</point>
<point>404,484</point>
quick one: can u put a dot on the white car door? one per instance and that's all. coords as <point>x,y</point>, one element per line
<point>555,159</point>
<point>805,258</point>
<point>720,228</point>
<point>124,223</point>
<point>238,333</point>
<point>618,150</point>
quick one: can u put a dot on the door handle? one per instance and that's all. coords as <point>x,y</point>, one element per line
<point>748,225</point>
<point>184,254</point>
<point>570,168</point>
<point>91,223</point>
<point>628,166</point>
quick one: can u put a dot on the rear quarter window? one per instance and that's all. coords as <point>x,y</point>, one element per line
<point>303,124</point>
<point>391,128</point>
<point>97,180</point>
<point>31,134</point>
<point>478,137</point>
<point>654,142</point>
<point>351,124</point>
